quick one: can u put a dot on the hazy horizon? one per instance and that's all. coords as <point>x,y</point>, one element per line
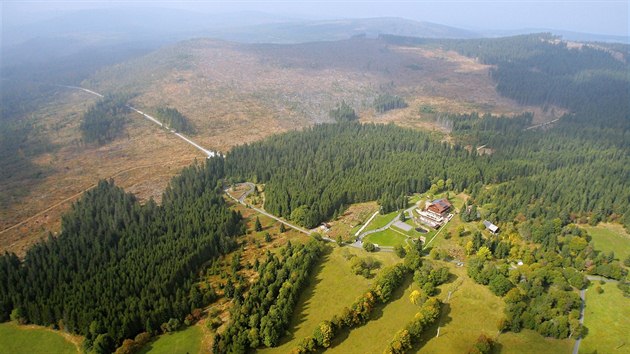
<point>596,17</point>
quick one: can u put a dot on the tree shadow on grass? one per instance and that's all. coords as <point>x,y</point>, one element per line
<point>396,295</point>
<point>451,279</point>
<point>497,348</point>
<point>304,301</point>
<point>376,314</point>
<point>431,331</point>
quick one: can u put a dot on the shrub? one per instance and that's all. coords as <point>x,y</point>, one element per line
<point>400,251</point>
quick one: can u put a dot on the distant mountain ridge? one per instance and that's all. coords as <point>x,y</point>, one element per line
<point>249,27</point>
<point>327,30</point>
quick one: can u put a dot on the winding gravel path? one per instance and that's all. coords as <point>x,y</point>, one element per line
<point>262,211</point>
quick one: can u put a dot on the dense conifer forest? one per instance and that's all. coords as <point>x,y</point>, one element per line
<point>119,268</point>
<point>541,69</point>
<point>343,113</point>
<point>314,173</point>
<point>261,318</point>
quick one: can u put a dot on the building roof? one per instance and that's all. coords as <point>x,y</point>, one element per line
<point>490,226</point>
<point>440,205</point>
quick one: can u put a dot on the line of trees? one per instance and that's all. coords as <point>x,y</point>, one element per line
<point>428,278</point>
<point>263,316</point>
<point>405,338</point>
<point>358,313</point>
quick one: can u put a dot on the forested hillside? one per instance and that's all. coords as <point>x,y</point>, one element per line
<point>580,168</point>
<point>119,268</point>
<point>573,169</point>
<point>541,69</point>
<point>311,174</point>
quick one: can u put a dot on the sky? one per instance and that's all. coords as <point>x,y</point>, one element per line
<point>608,17</point>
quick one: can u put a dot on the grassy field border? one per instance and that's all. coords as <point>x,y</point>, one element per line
<point>607,318</point>
<point>31,339</point>
<point>187,340</point>
<point>381,220</point>
<point>610,237</point>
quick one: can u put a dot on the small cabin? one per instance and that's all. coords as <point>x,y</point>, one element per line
<point>325,227</point>
<point>491,227</point>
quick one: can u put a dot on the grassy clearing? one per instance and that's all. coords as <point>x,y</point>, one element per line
<point>471,310</point>
<point>528,341</point>
<point>461,321</point>
<point>460,324</point>
<point>332,288</point>
<point>381,220</point>
<point>184,341</point>
<point>610,237</point>
<point>33,340</point>
<point>459,200</point>
<point>451,227</point>
<point>386,321</point>
<point>386,238</point>
<point>607,317</point>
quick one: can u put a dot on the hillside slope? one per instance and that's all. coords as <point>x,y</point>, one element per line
<point>228,88</point>
<point>234,94</point>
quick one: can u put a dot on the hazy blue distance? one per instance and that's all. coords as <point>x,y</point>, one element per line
<point>599,17</point>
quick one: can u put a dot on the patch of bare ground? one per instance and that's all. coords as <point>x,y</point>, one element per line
<point>347,224</point>
<point>238,93</point>
<point>451,83</point>
<point>142,161</point>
